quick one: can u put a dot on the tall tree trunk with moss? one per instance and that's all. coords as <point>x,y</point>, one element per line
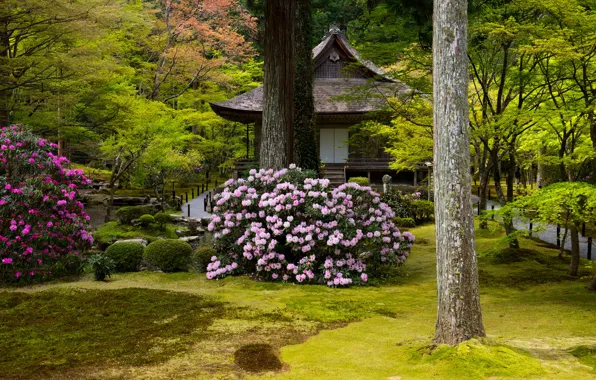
<point>459,314</point>
<point>307,154</point>
<point>277,135</point>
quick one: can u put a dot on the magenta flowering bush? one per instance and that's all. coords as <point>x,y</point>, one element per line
<point>284,226</point>
<point>42,224</point>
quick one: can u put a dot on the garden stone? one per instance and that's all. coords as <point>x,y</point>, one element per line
<point>138,241</point>
<point>189,239</point>
<point>182,233</point>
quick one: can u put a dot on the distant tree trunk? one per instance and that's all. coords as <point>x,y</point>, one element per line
<point>459,315</point>
<point>574,265</point>
<point>592,287</point>
<point>4,73</point>
<point>307,153</point>
<point>507,224</point>
<point>277,136</point>
<point>540,170</point>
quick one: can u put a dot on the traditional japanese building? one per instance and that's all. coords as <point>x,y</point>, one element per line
<point>340,73</point>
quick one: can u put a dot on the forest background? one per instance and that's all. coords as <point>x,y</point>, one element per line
<point>126,84</point>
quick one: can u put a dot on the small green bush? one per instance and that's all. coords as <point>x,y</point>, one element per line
<point>169,255</point>
<point>362,181</point>
<point>129,213</point>
<point>127,256</point>
<point>202,258</point>
<point>423,211</point>
<point>146,220</point>
<point>102,266</point>
<point>162,219</point>
<point>404,222</point>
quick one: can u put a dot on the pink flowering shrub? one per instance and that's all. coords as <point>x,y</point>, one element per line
<point>284,226</point>
<point>42,224</point>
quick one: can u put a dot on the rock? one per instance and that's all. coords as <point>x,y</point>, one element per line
<point>138,241</point>
<point>189,239</point>
<point>181,233</point>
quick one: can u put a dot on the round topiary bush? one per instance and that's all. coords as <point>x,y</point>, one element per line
<point>362,181</point>
<point>162,219</point>
<point>127,256</point>
<point>202,258</point>
<point>169,255</point>
<point>146,220</point>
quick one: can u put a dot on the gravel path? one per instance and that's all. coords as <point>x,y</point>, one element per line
<point>196,207</point>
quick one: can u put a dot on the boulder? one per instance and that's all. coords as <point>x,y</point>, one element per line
<point>138,241</point>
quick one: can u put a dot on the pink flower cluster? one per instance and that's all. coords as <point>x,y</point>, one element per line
<point>284,226</point>
<point>41,220</point>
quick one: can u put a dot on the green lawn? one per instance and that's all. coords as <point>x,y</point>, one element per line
<point>540,323</point>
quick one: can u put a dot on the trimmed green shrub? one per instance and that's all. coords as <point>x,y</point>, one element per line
<point>169,255</point>
<point>202,258</point>
<point>146,220</point>
<point>102,266</point>
<point>362,181</point>
<point>423,211</point>
<point>129,213</point>
<point>127,256</point>
<point>404,222</point>
<point>162,219</point>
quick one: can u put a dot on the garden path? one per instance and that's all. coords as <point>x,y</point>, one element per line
<point>196,207</point>
<point>548,234</point>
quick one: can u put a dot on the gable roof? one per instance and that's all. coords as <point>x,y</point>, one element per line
<point>339,69</point>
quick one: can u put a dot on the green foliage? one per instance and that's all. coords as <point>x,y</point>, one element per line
<point>127,256</point>
<point>202,258</point>
<point>362,181</point>
<point>162,219</point>
<point>423,211</point>
<point>102,266</point>
<point>404,222</point>
<point>169,255</point>
<point>146,220</point>
<point>399,203</point>
<point>129,213</point>
<point>109,232</point>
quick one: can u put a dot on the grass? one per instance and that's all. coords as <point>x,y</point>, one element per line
<point>540,324</point>
<point>111,231</point>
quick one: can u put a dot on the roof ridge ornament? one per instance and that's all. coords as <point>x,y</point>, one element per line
<point>334,29</point>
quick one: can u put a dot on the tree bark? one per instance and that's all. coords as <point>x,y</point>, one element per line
<point>459,314</point>
<point>307,153</point>
<point>277,138</point>
<point>574,264</point>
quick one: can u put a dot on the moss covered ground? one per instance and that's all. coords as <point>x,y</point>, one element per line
<point>112,231</point>
<point>541,324</point>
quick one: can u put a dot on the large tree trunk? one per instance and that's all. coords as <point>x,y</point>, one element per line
<point>574,265</point>
<point>277,138</point>
<point>307,153</point>
<point>459,315</point>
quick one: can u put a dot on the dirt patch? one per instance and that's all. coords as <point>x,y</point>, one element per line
<point>257,358</point>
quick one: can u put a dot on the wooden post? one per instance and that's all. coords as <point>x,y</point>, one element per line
<point>530,227</point>
<point>186,196</point>
<point>589,248</point>
<point>205,204</point>
<point>584,229</point>
<point>489,193</point>
<point>192,193</point>
<point>478,208</point>
<point>173,191</point>
<point>492,207</point>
